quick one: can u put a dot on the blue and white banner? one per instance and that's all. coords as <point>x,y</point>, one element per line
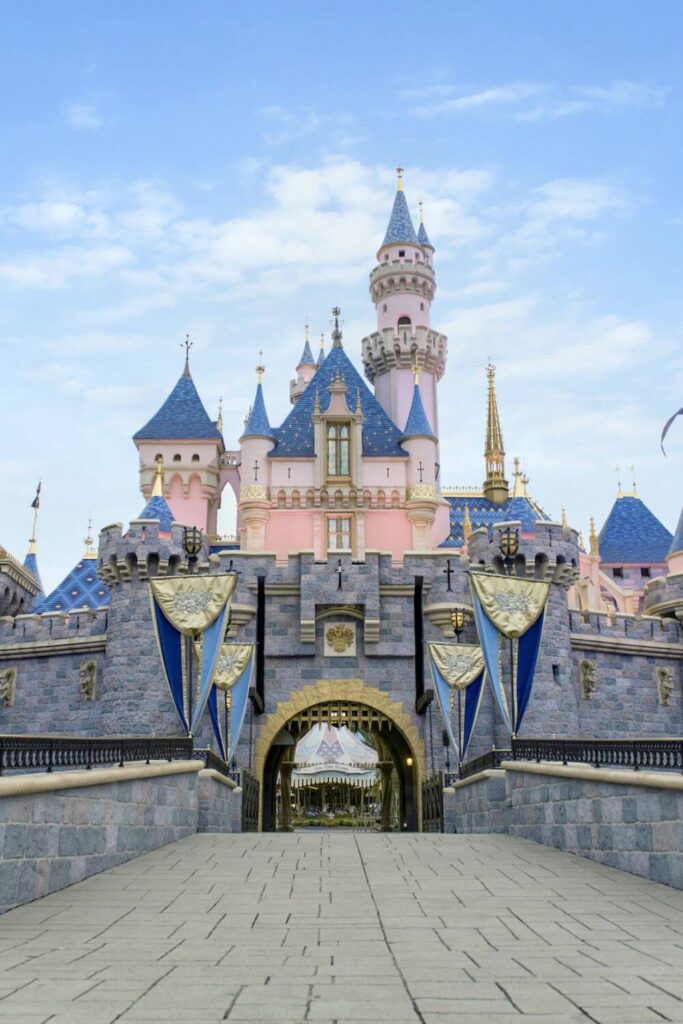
<point>458,672</point>
<point>514,608</point>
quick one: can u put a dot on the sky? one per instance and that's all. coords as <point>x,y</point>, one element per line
<point>227,170</point>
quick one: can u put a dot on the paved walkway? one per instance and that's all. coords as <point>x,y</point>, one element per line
<point>344,927</point>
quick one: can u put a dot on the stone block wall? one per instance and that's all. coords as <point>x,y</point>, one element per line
<point>613,817</point>
<point>51,837</point>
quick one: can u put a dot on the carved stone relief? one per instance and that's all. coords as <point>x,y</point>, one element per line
<point>88,679</point>
<point>587,678</point>
<point>665,684</point>
<point>8,684</point>
<point>340,640</point>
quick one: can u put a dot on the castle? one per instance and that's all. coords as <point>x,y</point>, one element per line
<point>342,520</point>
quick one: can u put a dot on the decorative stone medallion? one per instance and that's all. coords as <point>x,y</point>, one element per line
<point>339,640</point>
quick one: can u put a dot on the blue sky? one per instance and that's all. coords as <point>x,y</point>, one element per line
<point>227,170</point>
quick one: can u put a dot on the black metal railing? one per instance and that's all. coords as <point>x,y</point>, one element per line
<point>217,763</point>
<point>432,803</point>
<point>491,759</point>
<point>47,753</point>
<point>250,802</point>
<point>656,755</point>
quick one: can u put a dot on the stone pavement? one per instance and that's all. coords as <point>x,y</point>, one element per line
<point>347,927</point>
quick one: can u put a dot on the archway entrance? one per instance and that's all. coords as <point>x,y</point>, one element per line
<point>365,711</point>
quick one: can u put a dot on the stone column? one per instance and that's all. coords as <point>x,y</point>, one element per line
<point>386,768</point>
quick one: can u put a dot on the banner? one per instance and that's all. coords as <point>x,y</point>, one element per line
<point>190,606</point>
<point>231,664</point>
<point>514,608</point>
<point>459,668</point>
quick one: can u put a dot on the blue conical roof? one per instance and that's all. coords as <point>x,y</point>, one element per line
<point>156,508</point>
<point>677,542</point>
<point>307,356</point>
<point>82,588</point>
<point>258,424</point>
<point>417,424</point>
<point>31,563</point>
<point>632,534</point>
<point>181,416</point>
<point>295,436</point>
<point>400,227</point>
<point>321,356</point>
<point>423,237</point>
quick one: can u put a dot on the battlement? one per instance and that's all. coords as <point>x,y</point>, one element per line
<point>53,626</point>
<point>388,349</point>
<point>664,596</point>
<point>143,551</point>
<point>548,552</point>
<point>624,627</point>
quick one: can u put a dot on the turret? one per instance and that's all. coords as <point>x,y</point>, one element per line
<point>191,445</point>
<point>256,442</point>
<point>402,287</point>
<point>305,371</point>
<point>419,441</point>
<point>495,485</point>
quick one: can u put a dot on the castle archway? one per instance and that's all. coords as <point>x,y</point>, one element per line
<point>342,702</point>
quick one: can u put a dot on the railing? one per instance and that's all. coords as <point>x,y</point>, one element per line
<point>662,755</point>
<point>33,753</point>
<point>432,803</point>
<point>217,763</point>
<point>491,759</point>
<point>250,802</point>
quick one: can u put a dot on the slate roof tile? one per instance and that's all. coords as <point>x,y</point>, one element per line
<point>632,534</point>
<point>82,588</point>
<point>181,416</point>
<point>484,512</point>
<point>400,227</point>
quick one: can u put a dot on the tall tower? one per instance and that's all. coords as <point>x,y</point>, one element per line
<point>402,287</point>
<point>495,485</point>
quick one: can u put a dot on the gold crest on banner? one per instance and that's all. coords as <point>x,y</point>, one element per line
<point>191,603</point>
<point>230,664</point>
<point>459,664</point>
<point>511,603</point>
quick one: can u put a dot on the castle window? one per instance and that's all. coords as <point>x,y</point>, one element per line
<point>195,457</point>
<point>618,573</point>
<point>384,308</point>
<point>404,321</point>
<point>339,533</point>
<point>176,457</point>
<point>422,306</point>
<point>338,439</point>
<point>401,252</point>
<point>644,571</point>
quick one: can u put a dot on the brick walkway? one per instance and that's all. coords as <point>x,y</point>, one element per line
<point>343,927</point>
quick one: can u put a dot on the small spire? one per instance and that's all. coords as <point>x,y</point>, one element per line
<point>582,546</point>
<point>399,183</point>
<point>88,541</point>
<point>219,421</point>
<point>336,332</point>
<point>518,488</point>
<point>260,368</point>
<point>187,345</point>
<point>306,330</point>
<point>158,486</point>
<point>466,524</point>
<point>495,484</point>
<point>359,407</point>
<point>633,478</point>
<point>321,353</point>
<point>416,373</point>
<point>35,505</point>
<point>620,493</point>
<point>422,215</point>
<point>593,538</point>
<point>316,403</point>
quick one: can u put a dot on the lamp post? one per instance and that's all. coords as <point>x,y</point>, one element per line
<point>458,624</point>
<point>509,546</point>
<point>192,545</point>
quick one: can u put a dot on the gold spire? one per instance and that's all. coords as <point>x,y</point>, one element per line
<point>88,541</point>
<point>399,184</point>
<point>158,486</point>
<point>593,538</point>
<point>260,369</point>
<point>466,524</point>
<point>495,484</point>
<point>582,546</point>
<point>519,486</point>
<point>322,341</point>
<point>219,421</point>
<point>416,372</point>
<point>565,524</point>
<point>306,329</point>
<point>422,215</point>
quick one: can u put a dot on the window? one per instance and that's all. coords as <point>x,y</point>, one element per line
<point>645,571</point>
<point>338,462</point>
<point>176,458</point>
<point>339,533</point>
<point>618,573</point>
<point>384,308</point>
<point>195,458</point>
<point>401,252</point>
<point>422,306</point>
<point>404,321</point>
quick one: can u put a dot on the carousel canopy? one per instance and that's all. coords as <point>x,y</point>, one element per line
<point>334,754</point>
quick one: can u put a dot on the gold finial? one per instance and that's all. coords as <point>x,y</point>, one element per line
<point>593,538</point>
<point>416,373</point>
<point>35,505</point>
<point>219,421</point>
<point>88,541</point>
<point>187,345</point>
<point>158,486</point>
<point>565,524</point>
<point>322,341</point>
<point>518,489</point>
<point>633,478</point>
<point>466,524</point>
<point>306,329</point>
<point>582,546</point>
<point>260,369</point>
<point>399,184</point>
<point>620,493</point>
<point>422,215</point>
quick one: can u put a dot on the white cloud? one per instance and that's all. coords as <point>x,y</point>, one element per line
<point>536,101</point>
<point>83,117</point>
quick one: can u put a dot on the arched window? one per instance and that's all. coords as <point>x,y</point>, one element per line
<point>176,457</point>
<point>404,321</point>
<point>195,457</point>
<point>338,438</point>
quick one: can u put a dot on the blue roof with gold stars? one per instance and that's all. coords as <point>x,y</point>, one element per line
<point>181,416</point>
<point>381,436</point>
<point>82,588</point>
<point>633,534</point>
<point>484,512</point>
